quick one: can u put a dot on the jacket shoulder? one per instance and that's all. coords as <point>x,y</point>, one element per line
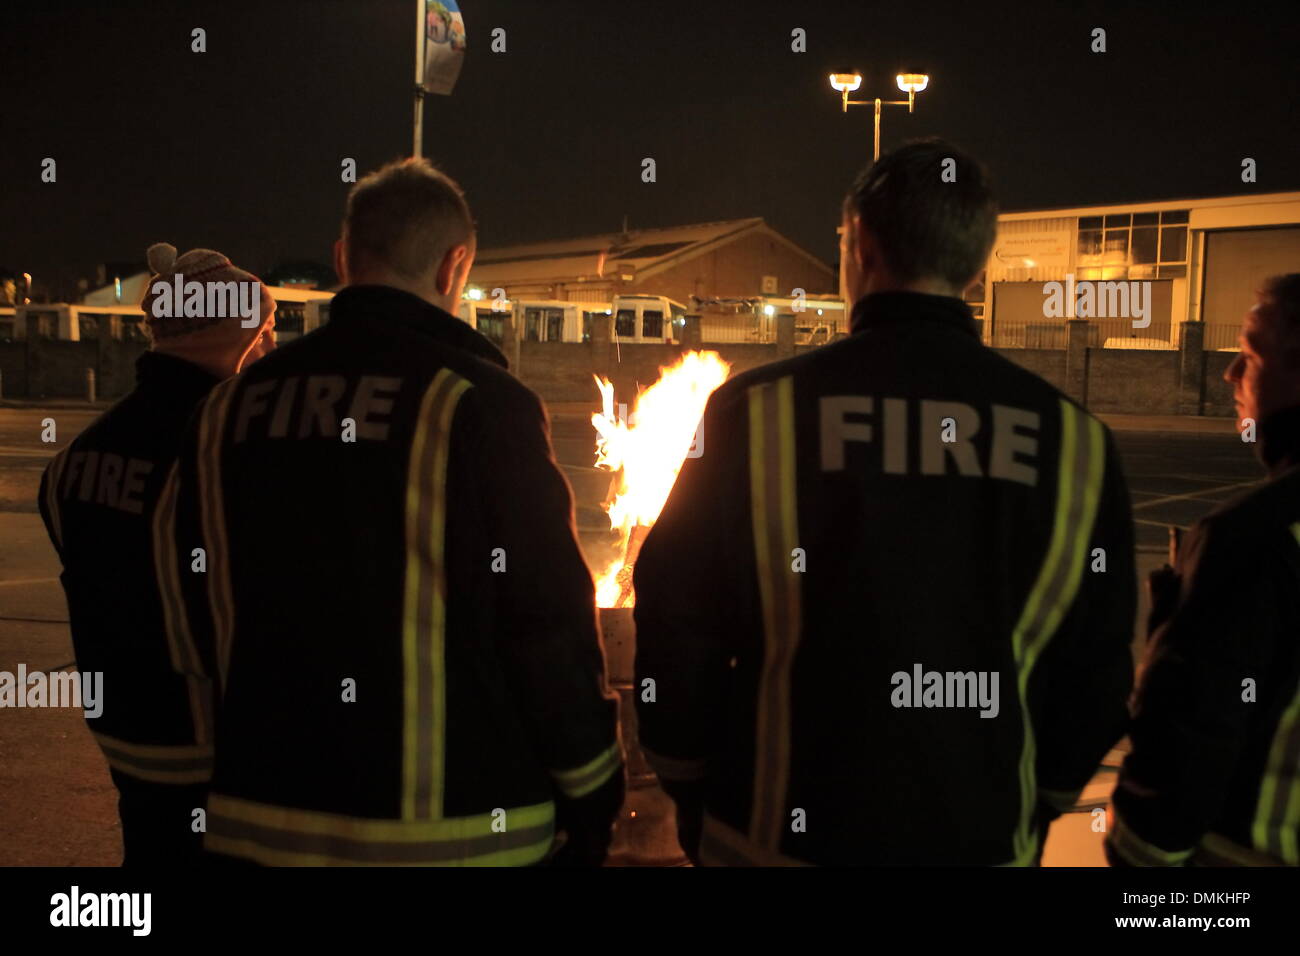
<point>1263,511</point>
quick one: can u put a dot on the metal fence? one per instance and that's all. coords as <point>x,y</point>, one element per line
<point>1100,334</point>
<point>1024,335</point>
<point>1123,334</point>
<point>732,330</point>
<point>1221,338</point>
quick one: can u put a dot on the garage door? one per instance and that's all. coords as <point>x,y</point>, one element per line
<point>1236,264</point>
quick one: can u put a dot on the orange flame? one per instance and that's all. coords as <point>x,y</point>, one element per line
<point>647,453</point>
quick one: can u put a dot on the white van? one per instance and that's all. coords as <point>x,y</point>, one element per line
<point>648,318</point>
<point>637,318</point>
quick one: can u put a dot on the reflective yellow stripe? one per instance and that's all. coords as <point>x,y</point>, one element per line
<point>1027,854</point>
<point>424,607</point>
<point>53,477</point>
<point>180,642</point>
<point>581,781</point>
<point>288,836</point>
<point>1218,850</point>
<point>773,478</point>
<point>212,430</point>
<point>1138,851</point>
<point>1277,813</point>
<point>1082,465</point>
<point>158,763</point>
<point>722,845</point>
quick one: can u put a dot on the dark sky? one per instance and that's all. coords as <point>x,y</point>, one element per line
<point>239,148</point>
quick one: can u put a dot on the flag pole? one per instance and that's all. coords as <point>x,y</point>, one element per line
<point>418,148</point>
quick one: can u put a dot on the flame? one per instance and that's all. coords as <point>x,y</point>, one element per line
<point>646,453</point>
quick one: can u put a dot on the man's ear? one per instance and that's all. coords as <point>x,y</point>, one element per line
<point>865,249</point>
<point>340,262</point>
<point>448,270</point>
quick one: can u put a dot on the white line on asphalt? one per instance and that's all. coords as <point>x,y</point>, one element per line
<point>1161,524</point>
<point>1194,494</point>
<point>28,581</point>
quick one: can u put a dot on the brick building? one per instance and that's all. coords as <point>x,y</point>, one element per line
<point>739,257</point>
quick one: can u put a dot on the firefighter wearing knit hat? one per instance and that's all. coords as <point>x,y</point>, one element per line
<point>219,340</point>
<point>99,498</point>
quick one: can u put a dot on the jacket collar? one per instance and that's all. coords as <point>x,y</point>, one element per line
<point>175,377</point>
<point>1279,440</point>
<point>380,303</point>
<point>884,308</point>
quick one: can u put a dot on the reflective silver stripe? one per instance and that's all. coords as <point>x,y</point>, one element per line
<point>774,517</point>
<point>180,642</point>
<point>53,478</point>
<point>424,614</point>
<point>158,763</point>
<point>580,781</point>
<point>1217,850</point>
<point>221,601</point>
<point>1138,851</point>
<point>287,836</point>
<point>1079,480</point>
<point>1277,813</point>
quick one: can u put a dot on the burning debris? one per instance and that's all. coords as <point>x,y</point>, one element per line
<point>645,451</point>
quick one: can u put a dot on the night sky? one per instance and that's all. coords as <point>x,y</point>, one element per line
<point>239,148</point>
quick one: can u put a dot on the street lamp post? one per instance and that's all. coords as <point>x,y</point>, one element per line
<point>909,83</point>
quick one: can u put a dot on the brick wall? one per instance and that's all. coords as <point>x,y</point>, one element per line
<point>1132,380</point>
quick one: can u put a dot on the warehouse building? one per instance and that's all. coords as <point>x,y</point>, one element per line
<point>735,258</point>
<point>1203,258</point>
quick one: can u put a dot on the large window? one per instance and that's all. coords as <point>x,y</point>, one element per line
<point>652,325</point>
<point>533,325</point>
<point>555,325</point>
<point>1147,245</point>
<point>625,323</point>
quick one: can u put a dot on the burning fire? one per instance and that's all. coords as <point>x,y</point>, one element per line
<point>646,453</point>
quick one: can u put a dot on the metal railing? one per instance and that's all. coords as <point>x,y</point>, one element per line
<point>733,330</point>
<point>1221,338</point>
<point>1011,334</point>
<point>1122,334</point>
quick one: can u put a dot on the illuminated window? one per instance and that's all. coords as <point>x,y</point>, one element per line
<point>1143,245</point>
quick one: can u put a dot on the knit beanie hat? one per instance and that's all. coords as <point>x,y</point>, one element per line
<point>204,266</point>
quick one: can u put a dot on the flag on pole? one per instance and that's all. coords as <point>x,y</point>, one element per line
<point>444,45</point>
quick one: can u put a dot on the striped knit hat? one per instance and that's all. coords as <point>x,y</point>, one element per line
<point>197,265</point>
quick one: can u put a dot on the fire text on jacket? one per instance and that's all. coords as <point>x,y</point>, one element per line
<point>298,407</point>
<point>945,430</point>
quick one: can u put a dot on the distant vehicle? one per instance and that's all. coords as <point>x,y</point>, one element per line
<point>637,318</point>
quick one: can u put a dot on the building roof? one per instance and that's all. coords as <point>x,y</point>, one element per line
<point>1280,200</point>
<point>647,251</point>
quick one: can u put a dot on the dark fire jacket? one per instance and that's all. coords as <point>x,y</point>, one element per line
<point>1214,773</point>
<point>392,600</point>
<point>875,531</point>
<point>97,498</point>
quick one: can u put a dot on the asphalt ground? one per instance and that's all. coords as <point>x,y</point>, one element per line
<point>57,806</point>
